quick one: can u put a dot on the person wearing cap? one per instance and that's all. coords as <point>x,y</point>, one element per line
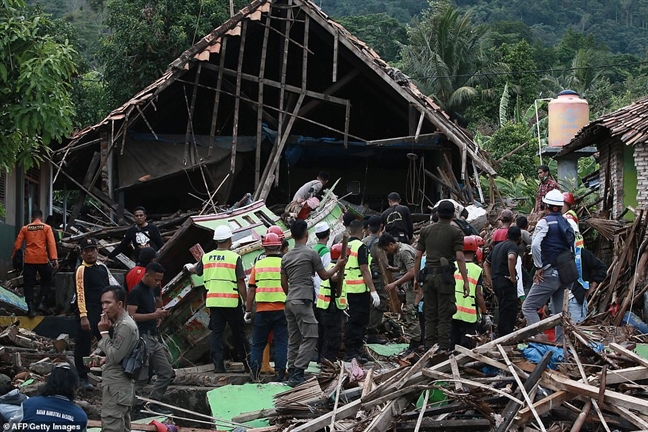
<point>404,256</point>
<point>376,313</point>
<point>464,321</point>
<point>547,183</point>
<point>139,236</point>
<point>54,406</point>
<point>311,188</point>
<point>40,248</point>
<point>298,267</point>
<point>91,277</point>
<point>442,243</point>
<point>552,236</point>
<point>501,268</point>
<point>224,279</point>
<point>264,287</point>
<point>506,217</point>
<point>397,219</point>
<point>145,306</point>
<point>361,293</point>
<point>135,275</point>
<point>332,302</point>
<point>119,336</point>
<point>322,232</point>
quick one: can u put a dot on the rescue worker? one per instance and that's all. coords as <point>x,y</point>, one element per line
<point>264,287</point>
<point>501,268</point>
<point>464,321</point>
<point>592,272</point>
<point>397,219</point>
<point>224,279</point>
<point>552,236</point>
<point>347,218</point>
<point>311,188</point>
<point>404,256</point>
<point>376,253</point>
<point>332,302</point>
<point>322,232</point>
<point>40,248</point>
<point>91,278</point>
<point>361,293</point>
<point>135,275</point>
<point>143,301</point>
<point>298,267</point>
<point>117,388</point>
<point>443,244</point>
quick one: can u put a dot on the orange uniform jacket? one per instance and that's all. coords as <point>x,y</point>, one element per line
<point>40,240</point>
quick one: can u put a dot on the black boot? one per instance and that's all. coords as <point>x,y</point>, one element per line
<point>296,378</point>
<point>219,364</point>
<point>280,376</point>
<point>31,311</point>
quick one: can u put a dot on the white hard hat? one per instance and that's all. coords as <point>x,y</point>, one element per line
<point>321,227</point>
<point>554,198</point>
<point>222,233</point>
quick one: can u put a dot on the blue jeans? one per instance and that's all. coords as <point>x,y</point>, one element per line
<point>578,312</point>
<point>264,323</point>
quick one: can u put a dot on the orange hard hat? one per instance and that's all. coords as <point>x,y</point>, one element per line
<point>276,230</point>
<point>470,244</point>
<point>336,251</point>
<point>568,197</point>
<point>271,239</point>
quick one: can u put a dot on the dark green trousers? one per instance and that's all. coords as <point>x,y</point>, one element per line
<point>438,308</point>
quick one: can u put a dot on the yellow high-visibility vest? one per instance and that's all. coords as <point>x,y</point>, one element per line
<point>353,281</point>
<point>466,306</point>
<point>219,275</point>
<point>268,280</point>
<point>325,294</point>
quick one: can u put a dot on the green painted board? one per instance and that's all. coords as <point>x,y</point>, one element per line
<point>231,400</point>
<point>387,350</point>
<point>642,350</point>
<point>11,299</point>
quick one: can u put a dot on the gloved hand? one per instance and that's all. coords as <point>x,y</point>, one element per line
<point>487,320</point>
<point>375,298</point>
<point>248,317</point>
<point>189,267</point>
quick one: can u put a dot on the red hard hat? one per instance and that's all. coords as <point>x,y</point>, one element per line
<point>336,251</point>
<point>479,240</point>
<point>470,244</point>
<point>568,197</point>
<point>480,255</point>
<point>271,239</point>
<point>276,230</point>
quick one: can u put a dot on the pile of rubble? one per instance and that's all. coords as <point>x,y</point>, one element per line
<point>592,379</point>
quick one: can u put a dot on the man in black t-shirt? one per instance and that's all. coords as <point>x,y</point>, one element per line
<point>142,307</point>
<point>500,268</point>
<point>397,219</point>
<point>139,236</point>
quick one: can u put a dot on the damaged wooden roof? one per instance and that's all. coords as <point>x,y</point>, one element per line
<point>423,107</point>
<point>628,124</point>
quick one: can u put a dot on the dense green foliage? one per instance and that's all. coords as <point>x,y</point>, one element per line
<point>401,10</point>
<point>506,140</point>
<point>148,34</point>
<point>35,70</point>
<point>382,33</point>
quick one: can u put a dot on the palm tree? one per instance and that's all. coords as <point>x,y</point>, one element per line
<point>446,57</point>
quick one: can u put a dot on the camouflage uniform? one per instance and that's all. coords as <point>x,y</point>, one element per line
<point>404,260</point>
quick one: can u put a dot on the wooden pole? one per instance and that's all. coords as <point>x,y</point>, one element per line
<point>237,100</point>
<point>264,52</point>
<point>212,130</point>
<point>190,111</point>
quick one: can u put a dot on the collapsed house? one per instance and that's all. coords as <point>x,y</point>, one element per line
<point>260,105</point>
<point>621,139</point>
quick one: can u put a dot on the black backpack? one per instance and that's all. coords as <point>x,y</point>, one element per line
<point>137,361</point>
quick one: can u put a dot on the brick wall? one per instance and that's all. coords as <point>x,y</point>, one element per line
<point>641,163</point>
<point>612,151</point>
